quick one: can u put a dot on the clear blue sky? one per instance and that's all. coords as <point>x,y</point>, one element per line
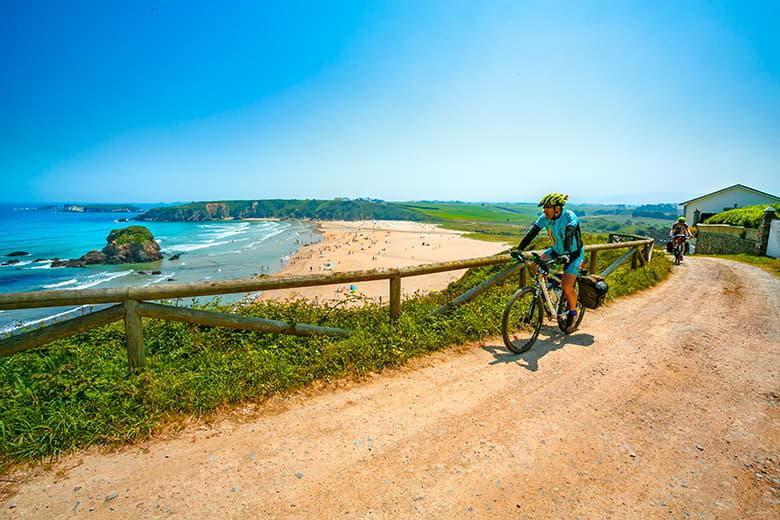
<point>177,101</point>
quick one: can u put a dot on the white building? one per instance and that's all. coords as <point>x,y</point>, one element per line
<point>737,196</point>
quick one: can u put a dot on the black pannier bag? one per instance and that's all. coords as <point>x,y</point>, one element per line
<point>669,247</point>
<point>593,290</point>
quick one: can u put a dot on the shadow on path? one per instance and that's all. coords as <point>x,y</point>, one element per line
<point>554,340</point>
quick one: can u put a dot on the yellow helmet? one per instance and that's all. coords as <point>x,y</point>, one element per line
<point>554,199</point>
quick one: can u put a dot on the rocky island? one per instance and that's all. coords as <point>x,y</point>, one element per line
<point>99,208</point>
<point>130,245</point>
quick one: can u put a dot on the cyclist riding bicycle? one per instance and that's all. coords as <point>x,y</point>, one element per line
<point>680,228</point>
<point>680,231</point>
<point>563,228</point>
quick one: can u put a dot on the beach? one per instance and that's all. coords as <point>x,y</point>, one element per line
<point>363,245</point>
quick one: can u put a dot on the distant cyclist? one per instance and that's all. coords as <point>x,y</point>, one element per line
<point>563,228</point>
<point>680,228</point>
<point>680,233</point>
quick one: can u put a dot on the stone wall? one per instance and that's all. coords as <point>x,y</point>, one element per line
<point>724,239</point>
<point>713,239</point>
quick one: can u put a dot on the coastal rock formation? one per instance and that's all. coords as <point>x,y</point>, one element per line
<point>67,263</point>
<point>130,245</point>
<point>18,253</point>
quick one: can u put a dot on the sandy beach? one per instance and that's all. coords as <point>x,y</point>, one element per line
<point>361,245</point>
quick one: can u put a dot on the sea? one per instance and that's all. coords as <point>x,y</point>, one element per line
<point>212,250</point>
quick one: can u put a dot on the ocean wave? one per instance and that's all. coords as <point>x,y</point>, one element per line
<point>102,277</point>
<point>230,232</point>
<point>18,264</point>
<point>61,284</point>
<point>46,265</point>
<point>13,327</point>
<point>159,279</point>
<point>253,244</point>
<point>194,247</point>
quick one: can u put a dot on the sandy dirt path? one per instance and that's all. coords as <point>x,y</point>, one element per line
<point>664,405</point>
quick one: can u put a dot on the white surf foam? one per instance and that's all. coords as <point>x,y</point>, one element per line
<point>277,232</point>
<point>18,264</point>
<point>230,231</point>
<point>61,284</point>
<point>102,277</point>
<point>194,247</point>
<point>11,328</point>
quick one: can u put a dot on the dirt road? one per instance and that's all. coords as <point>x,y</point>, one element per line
<point>664,405</point>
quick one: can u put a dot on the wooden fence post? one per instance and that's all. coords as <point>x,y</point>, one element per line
<point>395,296</point>
<point>635,258</point>
<point>134,336</point>
<point>592,266</point>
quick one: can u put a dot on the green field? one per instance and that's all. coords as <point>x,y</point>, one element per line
<point>479,212</point>
<point>508,222</point>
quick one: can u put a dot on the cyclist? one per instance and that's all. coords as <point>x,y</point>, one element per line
<point>563,227</point>
<point>681,229</point>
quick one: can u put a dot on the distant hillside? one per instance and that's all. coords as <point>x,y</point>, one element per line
<point>662,211</point>
<point>278,208</point>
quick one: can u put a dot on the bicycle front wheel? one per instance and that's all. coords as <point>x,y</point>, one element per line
<point>522,320</point>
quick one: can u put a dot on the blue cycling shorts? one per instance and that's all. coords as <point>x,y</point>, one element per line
<point>573,267</point>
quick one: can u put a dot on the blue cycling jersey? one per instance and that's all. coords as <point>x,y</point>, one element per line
<point>557,229</point>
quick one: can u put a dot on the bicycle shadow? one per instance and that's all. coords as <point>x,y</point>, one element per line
<point>552,341</point>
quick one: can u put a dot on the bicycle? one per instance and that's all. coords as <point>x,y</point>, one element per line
<point>525,311</point>
<point>678,249</point>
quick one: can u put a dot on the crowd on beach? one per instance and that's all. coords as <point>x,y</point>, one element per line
<point>354,246</point>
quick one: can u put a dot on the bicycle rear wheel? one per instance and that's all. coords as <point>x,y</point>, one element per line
<point>522,320</point>
<point>677,255</point>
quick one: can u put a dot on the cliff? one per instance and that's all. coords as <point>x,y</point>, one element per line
<point>277,208</point>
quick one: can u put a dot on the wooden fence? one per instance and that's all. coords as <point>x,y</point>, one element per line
<point>132,303</point>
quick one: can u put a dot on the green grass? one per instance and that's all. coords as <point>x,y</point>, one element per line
<point>475,212</point>
<point>771,265</point>
<point>76,392</point>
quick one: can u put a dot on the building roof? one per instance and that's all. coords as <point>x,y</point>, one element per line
<point>730,188</point>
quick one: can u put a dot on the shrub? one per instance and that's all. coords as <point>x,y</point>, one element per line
<point>749,216</point>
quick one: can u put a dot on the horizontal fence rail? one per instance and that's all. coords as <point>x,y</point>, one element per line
<point>131,303</point>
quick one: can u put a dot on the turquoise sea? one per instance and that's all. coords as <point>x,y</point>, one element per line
<point>216,250</point>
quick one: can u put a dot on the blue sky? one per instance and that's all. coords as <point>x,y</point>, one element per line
<point>151,101</point>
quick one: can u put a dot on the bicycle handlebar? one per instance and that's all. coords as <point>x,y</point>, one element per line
<point>544,266</point>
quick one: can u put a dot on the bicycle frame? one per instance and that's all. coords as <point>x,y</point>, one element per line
<point>541,274</point>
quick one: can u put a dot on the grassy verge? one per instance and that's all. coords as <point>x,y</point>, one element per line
<point>76,392</point>
<point>771,265</point>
